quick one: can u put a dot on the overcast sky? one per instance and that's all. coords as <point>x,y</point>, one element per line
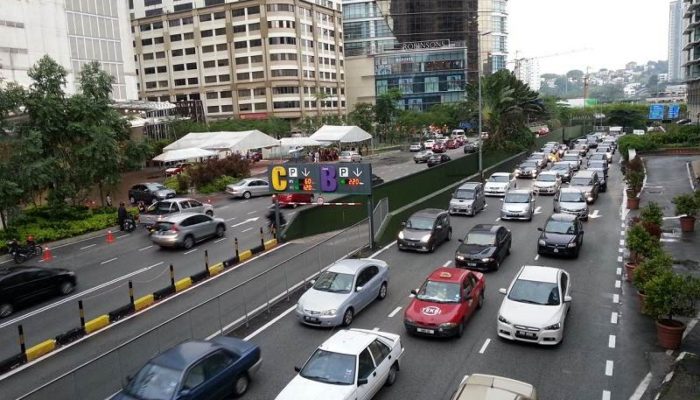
<point>614,31</point>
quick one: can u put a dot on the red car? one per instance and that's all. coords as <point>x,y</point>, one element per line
<point>444,302</point>
<point>290,199</point>
<point>451,144</point>
<point>439,147</point>
<point>177,169</point>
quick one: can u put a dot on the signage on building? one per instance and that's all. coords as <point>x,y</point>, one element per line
<point>656,111</point>
<point>351,178</point>
<point>260,115</point>
<point>426,44</point>
<point>674,111</point>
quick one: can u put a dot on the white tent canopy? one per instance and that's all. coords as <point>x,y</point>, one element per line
<point>342,134</point>
<point>300,141</point>
<point>185,154</point>
<point>224,141</point>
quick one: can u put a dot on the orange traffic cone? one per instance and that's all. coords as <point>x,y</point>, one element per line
<point>110,237</point>
<point>47,256</point>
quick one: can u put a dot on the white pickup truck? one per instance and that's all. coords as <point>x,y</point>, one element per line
<point>163,208</point>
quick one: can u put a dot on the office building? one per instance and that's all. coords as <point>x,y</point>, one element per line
<point>493,35</point>
<point>675,40</point>
<point>247,59</point>
<point>73,33</point>
<point>528,71</point>
<point>691,66</point>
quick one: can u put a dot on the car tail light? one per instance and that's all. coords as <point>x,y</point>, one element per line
<point>174,228</point>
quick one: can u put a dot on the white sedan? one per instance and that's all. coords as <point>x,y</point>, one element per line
<point>353,364</point>
<point>536,305</point>
<point>499,183</point>
<point>349,156</point>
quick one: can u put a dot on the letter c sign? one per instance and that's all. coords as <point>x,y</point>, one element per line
<point>278,181</point>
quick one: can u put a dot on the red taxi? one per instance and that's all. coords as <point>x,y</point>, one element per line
<point>439,147</point>
<point>291,199</point>
<point>443,304</point>
<point>451,144</point>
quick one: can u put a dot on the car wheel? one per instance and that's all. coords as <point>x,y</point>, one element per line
<point>431,248</point>
<point>132,200</point>
<point>348,317</point>
<point>576,252</point>
<point>246,195</point>
<point>66,288</point>
<point>220,231</point>
<point>391,379</point>
<point>449,235</point>
<point>481,300</point>
<point>382,291</point>
<point>210,213</point>
<point>188,242</point>
<point>241,385</point>
<point>6,310</point>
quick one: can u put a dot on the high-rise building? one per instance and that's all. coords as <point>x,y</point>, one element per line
<point>73,33</point>
<point>675,40</point>
<point>528,71</point>
<point>493,35</point>
<point>691,66</point>
<point>247,58</point>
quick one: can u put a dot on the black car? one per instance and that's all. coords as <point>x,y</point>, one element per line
<point>470,148</point>
<point>149,192</point>
<point>425,230</point>
<point>561,235</point>
<point>528,169</point>
<point>437,159</point>
<point>21,286</point>
<point>484,248</point>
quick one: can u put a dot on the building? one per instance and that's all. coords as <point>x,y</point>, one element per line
<point>249,59</point>
<point>528,71</point>
<point>675,40</point>
<point>672,94</point>
<point>493,36</point>
<point>691,58</point>
<point>73,33</point>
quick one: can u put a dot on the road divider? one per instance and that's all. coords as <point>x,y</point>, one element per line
<point>40,349</point>
<point>96,324</point>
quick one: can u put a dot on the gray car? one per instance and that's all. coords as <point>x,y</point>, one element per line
<point>422,156</point>
<point>186,229</point>
<point>564,169</point>
<point>342,291</point>
<point>468,199</point>
<point>166,208</point>
<point>518,204</point>
<point>571,201</point>
<point>548,182</point>
<point>586,181</point>
<point>249,187</point>
<point>572,158</point>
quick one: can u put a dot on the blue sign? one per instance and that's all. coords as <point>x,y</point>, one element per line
<point>465,125</point>
<point>656,111</point>
<point>674,111</point>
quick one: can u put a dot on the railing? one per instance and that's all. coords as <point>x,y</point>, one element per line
<point>380,214</point>
<point>101,377</point>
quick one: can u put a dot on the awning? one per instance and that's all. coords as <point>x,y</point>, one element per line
<point>300,141</point>
<point>342,134</point>
<point>184,154</point>
<point>227,141</point>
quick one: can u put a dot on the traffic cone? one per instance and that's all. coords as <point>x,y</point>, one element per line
<point>110,237</point>
<point>47,256</point>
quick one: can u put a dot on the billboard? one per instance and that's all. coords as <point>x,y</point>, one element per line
<point>656,111</point>
<point>674,111</point>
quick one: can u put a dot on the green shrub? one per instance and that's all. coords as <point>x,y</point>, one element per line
<point>650,268</point>
<point>669,294</point>
<point>686,204</point>
<point>179,183</point>
<point>652,213</point>
<point>217,185</point>
<point>205,173</point>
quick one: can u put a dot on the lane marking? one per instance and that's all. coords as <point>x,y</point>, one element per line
<point>619,271</point>
<point>246,230</point>
<point>272,322</point>
<point>191,251</point>
<point>380,251</point>
<point>376,329</point>
<point>498,219</point>
<point>613,318</point>
<point>396,311</point>
<point>611,341</point>
<point>618,284</point>
<point>484,346</point>
<point>619,258</point>
<point>608,368</point>
<point>606,395</point>
<point>690,327</point>
<point>622,232</point>
<point>447,263</point>
<point>690,176</point>
<point>538,210</point>
<point>108,261</point>
<point>229,219</point>
<point>121,236</point>
<point>616,298</point>
<point>537,257</point>
<point>622,225</point>
<point>621,250</point>
<point>88,246</point>
<point>252,212</point>
<point>220,240</point>
<point>145,248</point>
<point>622,242</point>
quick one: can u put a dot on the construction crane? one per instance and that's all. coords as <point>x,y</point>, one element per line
<point>518,61</point>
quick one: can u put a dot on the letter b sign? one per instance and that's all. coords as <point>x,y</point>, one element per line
<point>328,179</point>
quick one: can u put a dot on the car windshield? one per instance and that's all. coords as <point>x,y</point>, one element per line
<point>572,197</point>
<point>560,167</point>
<point>156,187</point>
<point>597,156</point>
<point>161,207</point>
<point>328,367</point>
<point>597,163</point>
<point>571,157</point>
<point>580,181</point>
<point>465,194</point>
<point>345,153</point>
<point>420,223</point>
<point>334,282</point>
<point>547,178</point>
<point>499,178</point>
<point>439,292</point>
<point>534,292</point>
<point>164,226</point>
<point>561,227</point>
<point>517,198</point>
<point>480,239</point>
<point>529,164</point>
<point>153,382</point>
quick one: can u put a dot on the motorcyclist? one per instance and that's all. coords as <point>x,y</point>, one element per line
<point>30,242</point>
<point>122,215</point>
<point>271,218</point>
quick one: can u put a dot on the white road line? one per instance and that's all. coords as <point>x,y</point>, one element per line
<point>622,242</point>
<point>411,295</point>
<point>621,250</point>
<point>88,246</point>
<point>229,219</point>
<point>447,263</point>
<point>616,298</point>
<point>121,236</point>
<point>538,209</point>
<point>484,346</point>
<point>611,341</point>
<point>622,225</point>
<point>252,212</point>
<point>618,284</point>
<point>272,322</point>
<point>246,230</point>
<point>690,176</point>
<point>613,318</point>
<point>606,395</point>
<point>220,240</point>
<point>108,261</point>
<point>145,248</point>
<point>619,258</point>
<point>380,251</point>
<point>537,257</point>
<point>641,388</point>
<point>396,311</point>
<point>376,328</point>
<point>191,251</point>
<point>690,327</point>
<point>609,368</point>
<point>619,271</point>
<point>498,219</point>
<point>622,232</point>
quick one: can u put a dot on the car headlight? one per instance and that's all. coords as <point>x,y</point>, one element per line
<point>448,325</point>
<point>517,171</point>
<point>488,259</point>
<point>505,321</point>
<point>542,242</point>
<point>401,235</point>
<point>425,238</point>
<point>330,312</point>
<point>553,327</point>
<point>460,257</point>
<point>571,245</point>
<point>300,307</point>
<point>589,197</point>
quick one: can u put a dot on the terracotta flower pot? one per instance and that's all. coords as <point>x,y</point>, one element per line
<point>687,224</point>
<point>632,203</point>
<point>629,270</point>
<point>669,333</point>
<point>642,299</point>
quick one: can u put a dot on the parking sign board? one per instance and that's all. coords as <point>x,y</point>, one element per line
<point>353,178</point>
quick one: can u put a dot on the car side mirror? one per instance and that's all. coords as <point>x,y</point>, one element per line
<point>438,227</point>
<point>359,288</point>
<point>403,224</point>
<point>362,381</point>
<point>414,292</point>
<point>184,393</point>
<point>460,240</point>
<point>540,229</point>
<point>567,299</point>
<point>502,291</point>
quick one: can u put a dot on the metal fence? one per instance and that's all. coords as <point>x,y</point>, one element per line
<point>102,377</point>
<point>380,214</point>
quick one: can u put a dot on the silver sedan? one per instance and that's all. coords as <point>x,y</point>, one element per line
<point>186,229</point>
<point>343,290</point>
<point>247,188</point>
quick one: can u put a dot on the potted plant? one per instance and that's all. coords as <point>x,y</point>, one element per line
<point>635,181</point>
<point>671,295</point>
<point>651,216</point>
<point>686,208</point>
<point>641,245</point>
<point>648,269</point>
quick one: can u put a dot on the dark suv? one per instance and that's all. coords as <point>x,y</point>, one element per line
<point>561,235</point>
<point>149,192</point>
<point>21,286</point>
<point>425,230</point>
<point>588,182</point>
<point>484,248</point>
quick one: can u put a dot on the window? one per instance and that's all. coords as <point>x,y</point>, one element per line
<point>221,47</point>
<point>162,69</point>
<point>240,45</point>
<point>146,42</point>
<point>188,36</point>
<point>149,70</point>
<point>160,54</point>
<point>190,50</point>
<point>244,93</point>
<point>213,2</point>
<point>179,67</point>
<point>187,21</point>
<point>180,82</point>
<point>223,62</point>
<point>182,7</point>
<point>207,33</point>
<point>239,12</point>
<point>213,109</point>
<point>192,81</point>
<point>209,64</point>
<point>241,60</point>
<point>564,283</point>
<point>181,97</point>
<point>220,14</point>
<point>285,90</point>
<point>174,22</point>
<point>210,79</point>
<point>260,106</point>
<point>226,94</point>
<point>158,40</point>
<point>224,78</point>
<point>175,38</point>
<point>253,10</point>
<point>157,11</point>
<point>212,95</point>
<point>379,351</point>
<point>239,29</point>
<point>259,92</point>
<point>194,96</point>
<point>245,107</point>
<point>365,365</point>
<point>285,104</point>
<point>256,59</point>
<point>148,56</point>
<point>254,27</point>
<point>145,27</point>
<point>205,17</point>
<point>208,49</point>
<point>158,25</point>
<point>258,75</point>
<point>280,7</point>
<point>227,108</point>
<point>220,31</point>
<point>242,76</point>
<point>191,66</point>
<point>256,43</point>
<point>163,84</point>
<point>177,53</point>
<point>148,3</point>
<point>150,85</point>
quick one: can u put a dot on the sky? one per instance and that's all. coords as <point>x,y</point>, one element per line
<point>608,33</point>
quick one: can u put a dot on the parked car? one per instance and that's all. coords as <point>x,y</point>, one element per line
<point>196,369</point>
<point>423,156</point>
<point>342,291</point>
<point>177,169</point>
<point>249,187</point>
<point>149,192</point>
<point>22,286</point>
<point>518,204</point>
<point>444,302</point>
<point>468,199</point>
<point>548,182</point>
<point>499,183</point>
<point>490,387</point>
<point>571,201</point>
<point>187,228</point>
<point>349,156</point>
<point>353,364</point>
<point>536,305</point>
<point>439,147</point>
<point>528,169</point>
<point>255,156</point>
<point>586,181</point>
<point>291,199</point>
<point>437,159</point>
<point>166,208</point>
<point>425,230</point>
<point>564,169</point>
<point>484,247</point>
<point>561,235</point>
<point>415,147</point>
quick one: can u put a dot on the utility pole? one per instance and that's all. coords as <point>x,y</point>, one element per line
<point>585,87</point>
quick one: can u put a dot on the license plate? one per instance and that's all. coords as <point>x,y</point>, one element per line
<point>471,264</point>
<point>310,319</point>
<point>527,335</point>
<point>556,250</point>
<point>428,331</point>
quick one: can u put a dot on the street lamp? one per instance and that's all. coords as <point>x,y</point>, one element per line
<point>481,141</point>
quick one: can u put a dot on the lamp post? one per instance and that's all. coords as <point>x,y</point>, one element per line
<point>481,141</point>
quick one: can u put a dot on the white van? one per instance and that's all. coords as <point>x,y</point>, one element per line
<point>457,132</point>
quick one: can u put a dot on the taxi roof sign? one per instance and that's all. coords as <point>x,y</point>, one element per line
<point>445,274</point>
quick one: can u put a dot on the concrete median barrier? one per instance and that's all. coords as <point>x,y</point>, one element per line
<point>70,336</point>
<point>96,324</point>
<point>143,302</point>
<point>40,349</point>
<point>216,269</point>
<point>244,255</point>
<point>183,284</point>
<point>270,244</point>
<point>163,293</point>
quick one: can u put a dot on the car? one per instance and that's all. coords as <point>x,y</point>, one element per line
<point>518,204</point>
<point>439,147</point>
<point>583,142</point>
<point>292,199</point>
<point>196,369</point>
<point>342,291</point>
<point>499,183</point>
<point>541,157</point>
<point>349,156</point>
<point>422,156</point>
<point>254,156</point>
<point>444,302</point>
<point>415,147</point>
<point>562,235</point>
<point>170,207</point>
<point>548,182</point>
<point>571,201</point>
<point>149,192</point>
<point>572,158</point>
<point>484,247</point>
<point>187,228</point>
<point>437,159</point>
<point>491,387</point>
<point>468,199</point>
<point>353,364</point>
<point>428,144</point>
<point>536,305</point>
<point>460,140</point>
<point>177,169</point>
<point>581,149</point>
<point>586,181</point>
<point>607,151</point>
<point>425,230</point>
<point>470,147</point>
<point>592,141</point>
<point>598,156</point>
<point>601,167</point>
<point>22,286</point>
<point>564,169</point>
<point>451,144</point>
<point>528,169</point>
<point>249,187</point>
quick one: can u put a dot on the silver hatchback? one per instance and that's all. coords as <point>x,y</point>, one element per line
<point>186,229</point>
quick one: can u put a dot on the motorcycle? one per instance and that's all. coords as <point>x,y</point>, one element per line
<point>20,253</point>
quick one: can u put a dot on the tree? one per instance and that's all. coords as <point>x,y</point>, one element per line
<point>575,74</point>
<point>363,116</point>
<point>386,110</point>
<point>627,116</point>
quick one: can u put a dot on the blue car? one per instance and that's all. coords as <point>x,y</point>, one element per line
<point>197,369</point>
